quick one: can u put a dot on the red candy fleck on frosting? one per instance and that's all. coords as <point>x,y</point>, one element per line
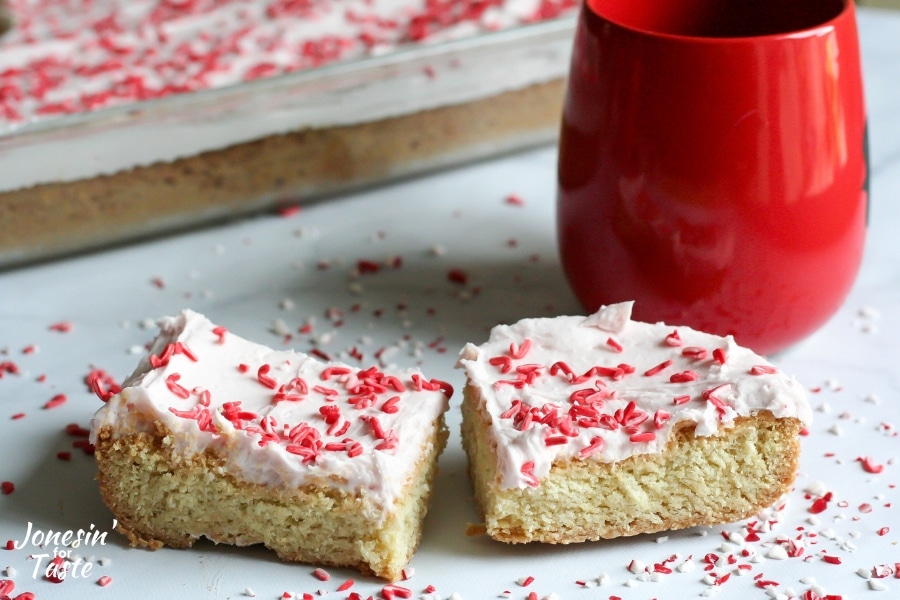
<point>658,368</point>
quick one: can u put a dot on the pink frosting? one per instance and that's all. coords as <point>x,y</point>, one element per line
<point>72,56</point>
<point>605,388</point>
<point>279,418</point>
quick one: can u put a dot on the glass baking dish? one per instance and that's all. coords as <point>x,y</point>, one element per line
<point>87,180</point>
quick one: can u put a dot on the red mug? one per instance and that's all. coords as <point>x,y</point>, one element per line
<point>713,163</point>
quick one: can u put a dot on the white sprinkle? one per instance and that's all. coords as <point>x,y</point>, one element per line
<point>552,596</point>
<point>137,349</point>
<point>603,579</point>
<point>832,384</point>
<point>812,520</point>
<point>523,580</point>
<point>10,572</point>
<point>356,288</point>
<point>662,539</point>
<point>728,548</point>
<point>656,577</point>
<point>816,488</point>
<point>828,533</point>
<point>250,593</point>
<point>643,577</point>
<point>287,304</point>
<point>824,408</point>
<point>438,250</point>
<point>872,399</point>
<point>279,327</point>
<point>148,323</point>
<point>709,579</point>
<point>876,586</point>
<point>455,596</point>
<point>869,312</point>
<point>631,583</point>
<point>835,430</point>
<point>864,572</point>
<point>687,566</point>
<point>105,562</point>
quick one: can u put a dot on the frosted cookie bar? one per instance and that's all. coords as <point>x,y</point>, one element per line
<point>581,428</point>
<point>218,437</point>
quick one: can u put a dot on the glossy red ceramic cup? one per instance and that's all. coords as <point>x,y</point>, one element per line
<point>712,163</point>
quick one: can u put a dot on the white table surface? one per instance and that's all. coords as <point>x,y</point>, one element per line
<point>260,275</point>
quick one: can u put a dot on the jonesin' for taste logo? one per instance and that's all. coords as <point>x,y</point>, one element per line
<point>60,563</point>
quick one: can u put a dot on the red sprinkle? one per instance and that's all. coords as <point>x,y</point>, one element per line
<point>321,574</point>
<point>820,504</point>
<point>719,356</point>
<point>7,487</point>
<point>104,580</point>
<point>869,465</point>
<point>62,326</point>
<point>262,375</point>
<point>684,377</point>
<point>102,384</point>
<point>289,211</point>
<point>527,471</point>
<point>8,366</point>
<point>762,370</point>
<point>76,430</point>
<point>458,276</point>
<point>614,344</point>
<point>56,571</point>
<point>832,560</point>
<point>176,388</point>
<point>345,586</point>
<point>694,352</point>
<point>673,339</point>
<point>395,591</point>
<point>55,401</point>
<point>658,368</point>
<point>647,436</point>
<point>519,352</point>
